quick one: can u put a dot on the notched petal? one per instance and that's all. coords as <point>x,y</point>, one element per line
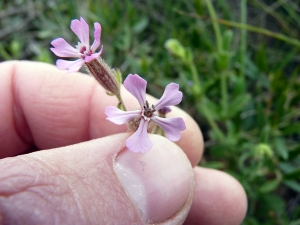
<point>71,66</point>
<point>137,87</point>
<point>118,116</point>
<point>81,29</point>
<point>171,126</point>
<point>139,141</point>
<point>171,96</point>
<point>63,48</point>
<point>97,32</point>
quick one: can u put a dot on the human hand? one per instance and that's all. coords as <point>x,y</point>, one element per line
<point>78,181</point>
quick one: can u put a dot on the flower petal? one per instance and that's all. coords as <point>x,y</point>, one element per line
<point>137,87</point>
<point>171,126</point>
<point>165,110</point>
<point>139,141</point>
<point>93,56</point>
<point>171,96</point>
<point>97,36</point>
<point>118,116</point>
<point>81,29</point>
<point>63,49</point>
<point>71,66</point>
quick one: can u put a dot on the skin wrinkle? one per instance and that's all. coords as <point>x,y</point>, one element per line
<point>63,175</point>
<point>36,179</point>
<point>19,142</point>
<point>89,121</point>
<point>16,106</point>
<point>45,186</point>
<point>55,120</point>
<point>77,203</point>
<point>24,113</point>
<point>93,171</point>
<point>39,163</point>
<point>26,136</point>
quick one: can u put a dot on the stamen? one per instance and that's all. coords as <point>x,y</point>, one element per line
<point>82,50</point>
<point>153,108</point>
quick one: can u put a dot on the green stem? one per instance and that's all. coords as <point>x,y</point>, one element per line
<point>197,85</point>
<point>216,26</point>
<point>248,28</point>
<point>212,122</point>
<point>262,31</point>
<point>197,92</point>
<point>213,15</point>
<point>121,103</point>
<point>243,47</point>
<point>224,93</point>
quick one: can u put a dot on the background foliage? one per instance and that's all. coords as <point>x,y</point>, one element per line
<point>237,63</point>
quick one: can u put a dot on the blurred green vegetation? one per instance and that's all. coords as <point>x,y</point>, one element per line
<point>237,63</point>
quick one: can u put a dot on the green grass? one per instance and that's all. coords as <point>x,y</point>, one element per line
<point>237,63</point>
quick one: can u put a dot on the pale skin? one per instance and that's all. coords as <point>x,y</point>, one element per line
<point>43,109</point>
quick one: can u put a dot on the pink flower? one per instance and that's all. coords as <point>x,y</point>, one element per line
<point>139,141</point>
<point>83,50</point>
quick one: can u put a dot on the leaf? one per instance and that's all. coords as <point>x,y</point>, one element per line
<point>292,175</point>
<point>237,104</point>
<point>294,185</point>
<point>295,152</point>
<point>270,202</point>
<point>286,167</point>
<point>295,222</point>
<point>280,147</point>
<point>261,58</point>
<point>269,186</point>
<point>214,165</point>
<point>213,108</point>
<point>139,26</point>
<point>291,129</point>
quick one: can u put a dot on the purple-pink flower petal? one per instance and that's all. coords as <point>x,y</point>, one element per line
<point>81,29</point>
<point>139,141</point>
<point>63,49</point>
<point>71,66</point>
<point>97,35</point>
<point>118,116</point>
<point>137,87</point>
<point>171,96</point>
<point>171,126</point>
<point>165,110</point>
<point>89,58</point>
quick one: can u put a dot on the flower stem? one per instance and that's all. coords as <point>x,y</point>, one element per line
<point>224,93</point>
<point>243,46</point>
<point>203,108</point>
<point>219,134</point>
<point>216,26</point>
<point>247,27</point>
<point>121,104</point>
<point>197,85</point>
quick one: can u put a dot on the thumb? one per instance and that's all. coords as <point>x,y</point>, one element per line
<point>97,182</point>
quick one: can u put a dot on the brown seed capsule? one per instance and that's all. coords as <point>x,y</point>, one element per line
<point>104,75</point>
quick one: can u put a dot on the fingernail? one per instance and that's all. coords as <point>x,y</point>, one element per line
<point>158,182</point>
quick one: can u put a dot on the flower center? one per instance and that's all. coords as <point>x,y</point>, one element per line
<point>83,50</point>
<point>148,111</point>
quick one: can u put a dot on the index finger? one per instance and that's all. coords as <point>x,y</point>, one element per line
<point>47,108</point>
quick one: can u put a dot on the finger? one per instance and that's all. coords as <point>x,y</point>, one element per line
<point>218,199</point>
<point>46,107</point>
<point>97,182</point>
